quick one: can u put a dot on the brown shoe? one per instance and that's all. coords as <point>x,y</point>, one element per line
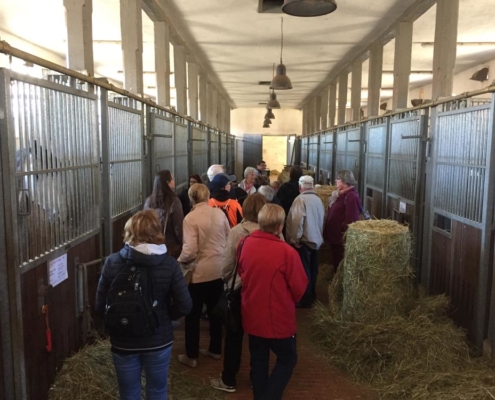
<point>190,362</point>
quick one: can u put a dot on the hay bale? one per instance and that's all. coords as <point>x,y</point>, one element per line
<point>90,375</point>
<point>283,177</point>
<point>377,275</point>
<point>421,355</point>
<point>274,172</point>
<point>324,192</point>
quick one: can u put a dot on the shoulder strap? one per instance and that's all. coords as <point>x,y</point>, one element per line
<point>237,258</point>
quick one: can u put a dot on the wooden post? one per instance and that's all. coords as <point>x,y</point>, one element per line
<point>445,48</point>
<point>402,64</point>
<point>375,79</point>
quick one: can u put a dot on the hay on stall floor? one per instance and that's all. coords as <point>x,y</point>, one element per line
<point>419,356</point>
<point>90,375</point>
<point>376,279</point>
<point>324,192</point>
<point>274,172</point>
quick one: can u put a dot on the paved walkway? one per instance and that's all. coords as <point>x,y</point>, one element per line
<point>312,379</point>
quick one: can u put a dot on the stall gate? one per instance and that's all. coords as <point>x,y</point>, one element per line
<point>313,150</point>
<point>326,158</point>
<point>223,149</point>
<point>304,151</point>
<point>375,171</point>
<point>123,187</point>
<point>199,151</point>
<point>51,195</point>
<point>459,230</point>
<point>181,164</point>
<point>161,132</point>
<point>349,152</point>
<point>214,147</point>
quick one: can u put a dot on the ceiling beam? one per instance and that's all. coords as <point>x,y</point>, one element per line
<point>378,36</point>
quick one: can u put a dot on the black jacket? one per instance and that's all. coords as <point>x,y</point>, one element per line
<point>174,300</point>
<point>287,194</point>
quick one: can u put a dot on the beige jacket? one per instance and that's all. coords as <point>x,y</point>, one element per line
<point>245,228</point>
<point>205,235</point>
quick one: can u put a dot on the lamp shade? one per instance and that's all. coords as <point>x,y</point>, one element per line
<point>269,114</point>
<point>266,125</point>
<point>309,8</point>
<point>273,102</point>
<point>281,81</point>
<point>267,121</point>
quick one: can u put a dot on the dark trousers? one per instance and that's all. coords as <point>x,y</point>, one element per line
<point>309,259</point>
<point>232,354</point>
<point>204,293</point>
<point>271,386</point>
<point>337,255</point>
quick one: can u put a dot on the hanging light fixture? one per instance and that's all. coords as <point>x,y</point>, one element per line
<point>281,81</point>
<point>273,102</point>
<point>265,125</point>
<point>309,8</point>
<point>267,121</point>
<point>269,114</point>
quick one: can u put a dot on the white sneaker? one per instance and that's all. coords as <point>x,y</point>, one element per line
<point>218,384</point>
<point>190,362</point>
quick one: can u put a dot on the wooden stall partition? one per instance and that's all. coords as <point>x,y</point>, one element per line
<point>63,319</point>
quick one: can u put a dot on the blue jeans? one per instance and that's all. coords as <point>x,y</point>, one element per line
<point>129,367</point>
<point>309,259</point>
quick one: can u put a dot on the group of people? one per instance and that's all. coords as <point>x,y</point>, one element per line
<point>218,229</point>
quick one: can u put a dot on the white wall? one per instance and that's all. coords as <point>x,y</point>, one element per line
<point>250,120</point>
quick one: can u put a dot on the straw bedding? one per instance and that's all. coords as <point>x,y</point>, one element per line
<point>384,336</point>
<point>90,375</point>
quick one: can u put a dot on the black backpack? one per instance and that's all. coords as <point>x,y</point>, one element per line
<point>131,304</point>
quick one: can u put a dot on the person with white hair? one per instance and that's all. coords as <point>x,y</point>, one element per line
<point>269,194</point>
<point>248,182</point>
<point>304,231</point>
<point>215,169</point>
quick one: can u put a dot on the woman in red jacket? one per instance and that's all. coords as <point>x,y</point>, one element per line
<point>343,209</point>
<point>273,282</point>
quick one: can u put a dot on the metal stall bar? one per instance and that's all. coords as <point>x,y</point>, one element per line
<point>181,173</point>
<point>353,154</point>
<point>223,150</point>
<point>326,158</point>
<point>313,145</point>
<point>459,211</point>
<point>304,151</point>
<point>50,165</point>
<point>161,132</point>
<point>199,150</point>
<point>122,161</point>
<point>341,150</point>
<point>375,167</point>
<point>214,147</point>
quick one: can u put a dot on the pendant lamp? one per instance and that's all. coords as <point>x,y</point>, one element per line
<point>273,102</point>
<point>267,121</point>
<point>309,8</point>
<point>266,125</point>
<point>269,114</point>
<point>281,81</point>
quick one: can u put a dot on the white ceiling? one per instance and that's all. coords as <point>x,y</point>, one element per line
<point>240,45</point>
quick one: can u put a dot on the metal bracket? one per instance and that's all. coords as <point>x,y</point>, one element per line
<point>423,138</point>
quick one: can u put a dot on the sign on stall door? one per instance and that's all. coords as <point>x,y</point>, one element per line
<point>57,270</point>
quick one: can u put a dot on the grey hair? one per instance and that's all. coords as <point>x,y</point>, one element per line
<point>346,177</point>
<point>215,169</point>
<point>249,170</point>
<point>266,191</point>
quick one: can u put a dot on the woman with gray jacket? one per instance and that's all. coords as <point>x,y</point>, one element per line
<point>205,235</point>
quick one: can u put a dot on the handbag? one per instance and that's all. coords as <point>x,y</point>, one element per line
<point>228,307</point>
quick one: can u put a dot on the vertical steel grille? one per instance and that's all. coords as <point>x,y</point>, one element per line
<point>304,151</point>
<point>352,153</point>
<point>461,158</point>
<point>214,141</point>
<point>403,158</point>
<point>125,148</point>
<point>326,149</point>
<point>57,167</point>
<point>313,152</point>
<point>341,150</point>
<point>163,144</point>
<point>181,140</point>
<point>375,156</point>
<point>200,151</point>
<point>223,149</point>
